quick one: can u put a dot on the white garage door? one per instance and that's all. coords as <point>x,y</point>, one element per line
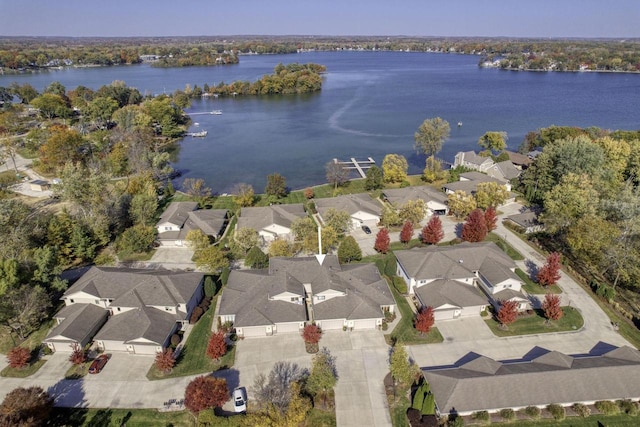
<point>331,324</point>
<point>443,314</point>
<point>146,349</point>
<point>471,311</point>
<point>364,324</point>
<point>254,331</point>
<point>283,328</point>
<point>112,345</point>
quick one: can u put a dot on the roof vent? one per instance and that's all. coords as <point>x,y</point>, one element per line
<point>460,261</point>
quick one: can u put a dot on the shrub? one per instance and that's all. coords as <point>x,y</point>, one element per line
<point>628,407</point>
<point>165,361</point>
<point>481,416</point>
<point>309,193</point>
<point>385,326</point>
<point>405,184</point>
<point>217,346</point>
<point>399,284</point>
<point>581,410</point>
<point>18,357</point>
<point>607,407</point>
<point>175,339</point>
<point>557,411</point>
<point>209,286</point>
<point>532,412</point>
<point>78,355</point>
<point>311,334</point>
<point>507,414</point>
<point>196,314</point>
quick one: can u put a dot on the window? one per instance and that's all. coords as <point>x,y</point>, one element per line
<point>118,308</point>
<point>97,302</point>
<point>294,299</point>
<point>167,229</point>
<point>320,297</point>
<point>167,309</point>
<point>71,301</point>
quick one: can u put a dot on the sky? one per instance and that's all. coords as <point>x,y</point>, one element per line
<point>488,18</point>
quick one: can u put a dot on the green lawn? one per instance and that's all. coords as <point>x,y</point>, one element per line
<point>404,332</point>
<point>506,247</point>
<point>536,324</point>
<point>320,418</point>
<point>622,420</point>
<point>77,417</point>
<point>78,371</point>
<point>24,372</point>
<point>193,358</point>
<point>534,288</point>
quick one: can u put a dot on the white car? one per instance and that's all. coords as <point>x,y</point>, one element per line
<point>240,399</point>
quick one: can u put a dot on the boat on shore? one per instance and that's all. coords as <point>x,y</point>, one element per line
<point>216,112</point>
<point>200,134</point>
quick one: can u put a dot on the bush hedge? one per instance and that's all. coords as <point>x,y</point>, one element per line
<point>557,411</point>
<point>607,407</point>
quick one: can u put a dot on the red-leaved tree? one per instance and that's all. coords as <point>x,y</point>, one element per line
<point>217,346</point>
<point>164,361</point>
<point>551,307</point>
<point>205,393</point>
<point>311,334</point>
<point>26,407</point>
<point>382,241</point>
<point>78,356</point>
<point>407,232</point>
<point>18,357</point>
<point>475,227</point>
<point>491,218</point>
<point>424,320</point>
<point>432,233</point>
<point>507,313</point>
<point>549,274</point>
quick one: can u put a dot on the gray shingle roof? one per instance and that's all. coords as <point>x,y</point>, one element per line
<point>264,216</point>
<point>147,323</point>
<point>400,196</point>
<point>153,287</point>
<point>247,292</point>
<point>351,203</point>
<point>452,262</point>
<point>525,219</point>
<point>177,213</point>
<point>441,292</point>
<point>473,158</point>
<point>79,321</point>
<point>549,378</point>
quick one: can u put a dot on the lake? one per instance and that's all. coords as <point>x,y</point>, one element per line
<point>371,104</point>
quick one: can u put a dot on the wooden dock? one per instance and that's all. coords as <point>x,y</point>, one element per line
<point>359,165</point>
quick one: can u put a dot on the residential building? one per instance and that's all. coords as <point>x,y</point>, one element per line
<point>543,377</point>
<point>435,201</point>
<point>271,222</point>
<point>361,207</point>
<point>181,217</point>
<point>450,278</point>
<point>295,291</point>
<point>145,308</point>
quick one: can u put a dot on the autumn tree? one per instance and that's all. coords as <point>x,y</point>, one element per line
<point>243,195</point>
<point>424,320</point>
<point>205,393</point>
<point>309,193</point>
<point>432,233</point>
<point>18,357</point>
<point>573,198</point>
<point>549,274</point>
<point>394,168</point>
<point>382,241</point>
<point>339,220</point>
<point>26,407</point>
<point>491,194</point>
<point>407,232</point>
<point>311,334</point>
<point>197,240</point>
<point>164,361</point>
<point>431,135</point>
<point>276,186</point>
<point>62,146</point>
<point>217,346</point>
<point>551,307</point>
<point>493,141</point>
<point>491,218</point>
<point>349,250</point>
<point>336,174</point>
<point>280,247</point>
<point>402,369</point>
<point>276,387</point>
<point>461,204</point>
<point>211,259</point>
<point>475,227</point>
<point>78,356</point>
<point>197,188</point>
<point>390,217</point>
<point>323,376</point>
<point>246,238</point>
<point>413,210</point>
<point>507,313</point>
<point>433,170</point>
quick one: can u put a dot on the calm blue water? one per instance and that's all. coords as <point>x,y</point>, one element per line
<point>371,104</point>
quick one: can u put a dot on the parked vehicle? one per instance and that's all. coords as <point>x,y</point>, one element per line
<point>98,363</point>
<point>366,229</point>
<point>240,399</point>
